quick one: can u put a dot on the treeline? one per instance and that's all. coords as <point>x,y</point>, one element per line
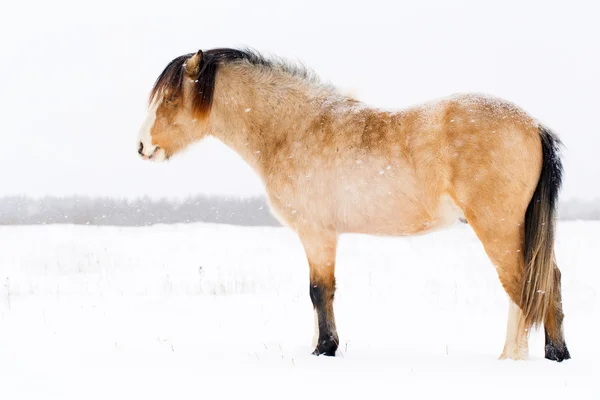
<point>580,210</point>
<point>17,210</point>
<point>82,210</point>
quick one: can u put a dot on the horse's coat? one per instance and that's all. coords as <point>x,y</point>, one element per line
<point>332,165</point>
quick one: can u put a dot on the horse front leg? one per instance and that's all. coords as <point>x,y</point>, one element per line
<point>320,251</point>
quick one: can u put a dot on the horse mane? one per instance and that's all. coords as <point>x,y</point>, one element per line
<point>170,81</point>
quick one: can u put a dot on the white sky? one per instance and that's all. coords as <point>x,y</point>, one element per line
<point>75,77</point>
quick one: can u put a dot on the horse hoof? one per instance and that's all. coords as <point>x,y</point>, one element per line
<point>318,352</point>
<point>557,353</point>
<point>326,348</point>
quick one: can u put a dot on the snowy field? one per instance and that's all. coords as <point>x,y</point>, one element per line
<point>214,311</point>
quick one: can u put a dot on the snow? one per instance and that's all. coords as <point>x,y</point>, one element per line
<point>217,311</point>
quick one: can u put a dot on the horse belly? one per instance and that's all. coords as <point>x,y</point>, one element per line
<point>398,215</point>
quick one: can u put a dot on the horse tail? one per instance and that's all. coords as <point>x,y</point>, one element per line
<point>540,223</point>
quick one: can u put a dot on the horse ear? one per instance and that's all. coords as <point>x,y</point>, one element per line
<point>192,66</point>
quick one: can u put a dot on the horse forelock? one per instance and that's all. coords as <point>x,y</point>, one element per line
<point>170,81</point>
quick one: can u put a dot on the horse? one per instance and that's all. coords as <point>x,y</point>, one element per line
<point>331,164</point>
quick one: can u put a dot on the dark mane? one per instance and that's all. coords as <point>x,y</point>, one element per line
<point>170,81</point>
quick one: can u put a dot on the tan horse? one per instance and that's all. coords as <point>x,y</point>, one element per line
<point>332,165</point>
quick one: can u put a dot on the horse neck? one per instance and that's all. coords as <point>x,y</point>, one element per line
<point>254,110</point>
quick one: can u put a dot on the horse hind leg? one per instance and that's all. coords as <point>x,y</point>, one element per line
<point>556,346</point>
<point>517,330</point>
<point>504,241</point>
<point>516,346</point>
<point>502,244</point>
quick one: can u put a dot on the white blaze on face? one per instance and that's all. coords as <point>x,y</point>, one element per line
<point>145,137</point>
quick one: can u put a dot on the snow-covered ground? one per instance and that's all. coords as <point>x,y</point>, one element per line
<point>212,311</point>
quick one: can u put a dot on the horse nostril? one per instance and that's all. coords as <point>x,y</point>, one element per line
<point>141,149</point>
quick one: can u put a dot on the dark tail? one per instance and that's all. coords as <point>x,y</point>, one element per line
<point>540,222</point>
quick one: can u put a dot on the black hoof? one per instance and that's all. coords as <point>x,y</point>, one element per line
<point>557,353</point>
<point>326,347</point>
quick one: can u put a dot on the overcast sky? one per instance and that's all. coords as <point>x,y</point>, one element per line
<point>75,78</point>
